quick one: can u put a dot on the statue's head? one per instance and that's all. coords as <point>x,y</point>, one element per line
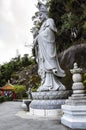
<point>43,12</point>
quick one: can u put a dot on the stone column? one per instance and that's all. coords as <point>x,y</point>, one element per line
<point>75,106</point>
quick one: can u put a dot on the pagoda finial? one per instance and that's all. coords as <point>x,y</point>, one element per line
<point>8,81</point>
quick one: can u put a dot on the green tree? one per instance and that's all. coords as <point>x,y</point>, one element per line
<point>70,19</point>
<point>20,90</point>
<point>25,60</point>
<point>7,70</point>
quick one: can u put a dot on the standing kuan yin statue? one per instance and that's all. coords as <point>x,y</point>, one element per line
<point>46,56</point>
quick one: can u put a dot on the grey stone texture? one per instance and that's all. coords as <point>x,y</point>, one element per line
<point>75,106</point>
<point>49,99</point>
<point>51,95</point>
<point>47,104</point>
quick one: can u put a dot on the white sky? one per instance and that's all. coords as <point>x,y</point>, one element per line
<point>15,25</point>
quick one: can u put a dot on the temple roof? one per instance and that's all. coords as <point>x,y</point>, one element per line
<point>8,86</point>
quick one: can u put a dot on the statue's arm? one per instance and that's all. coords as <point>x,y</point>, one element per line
<point>52,25</point>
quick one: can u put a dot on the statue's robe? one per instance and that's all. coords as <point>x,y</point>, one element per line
<point>48,65</point>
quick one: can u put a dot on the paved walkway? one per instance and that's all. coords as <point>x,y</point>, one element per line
<point>13,118</point>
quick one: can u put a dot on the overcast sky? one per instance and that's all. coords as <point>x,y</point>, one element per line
<point>15,25</point>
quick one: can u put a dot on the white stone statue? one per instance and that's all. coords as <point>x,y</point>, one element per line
<point>46,56</point>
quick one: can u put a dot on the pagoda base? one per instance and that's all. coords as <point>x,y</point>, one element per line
<point>74,116</point>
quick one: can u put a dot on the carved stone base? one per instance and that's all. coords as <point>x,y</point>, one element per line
<point>74,116</point>
<point>51,95</point>
<point>50,113</point>
<point>48,104</point>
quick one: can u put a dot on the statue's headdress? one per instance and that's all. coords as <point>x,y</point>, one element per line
<point>42,7</point>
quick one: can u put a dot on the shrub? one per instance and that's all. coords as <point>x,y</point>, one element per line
<point>34,89</point>
<point>19,90</point>
<point>1,98</point>
<point>9,98</point>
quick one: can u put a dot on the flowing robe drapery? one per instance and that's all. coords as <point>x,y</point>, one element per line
<point>47,57</point>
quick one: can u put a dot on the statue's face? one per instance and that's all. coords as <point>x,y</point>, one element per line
<point>42,16</point>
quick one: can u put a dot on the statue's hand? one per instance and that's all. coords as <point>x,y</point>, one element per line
<point>59,74</point>
<point>54,71</point>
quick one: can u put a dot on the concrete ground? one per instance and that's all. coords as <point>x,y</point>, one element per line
<point>12,117</point>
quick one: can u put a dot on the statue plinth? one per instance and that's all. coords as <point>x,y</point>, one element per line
<point>48,103</point>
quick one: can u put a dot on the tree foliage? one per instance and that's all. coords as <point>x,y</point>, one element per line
<point>7,70</point>
<point>70,19</point>
<point>19,90</point>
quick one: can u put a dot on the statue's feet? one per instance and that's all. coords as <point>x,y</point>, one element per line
<point>48,88</point>
<point>43,88</point>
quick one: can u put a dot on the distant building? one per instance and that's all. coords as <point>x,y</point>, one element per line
<point>8,90</point>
